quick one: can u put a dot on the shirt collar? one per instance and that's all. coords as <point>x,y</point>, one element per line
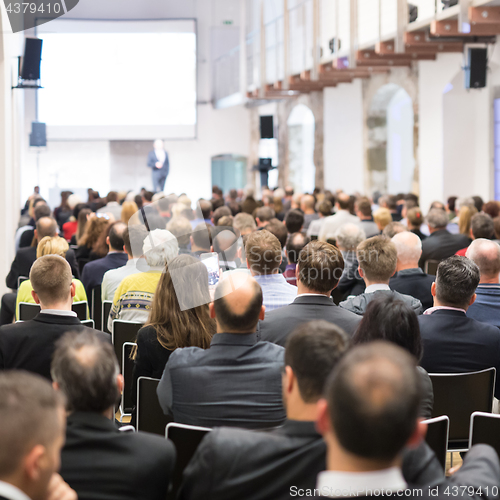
<point>336,484</point>
<point>234,339</point>
<point>269,277</point>
<point>443,308</point>
<point>376,287</point>
<point>407,272</point>
<point>57,312</point>
<point>313,295</point>
<point>12,492</point>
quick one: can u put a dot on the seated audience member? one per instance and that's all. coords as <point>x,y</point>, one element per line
<point>244,223</point>
<point>225,221</point>
<point>134,295</point>
<point>341,217</point>
<point>382,218</point>
<point>481,226</point>
<point>307,203</point>
<point>29,345</point>
<point>112,206</point>
<point>181,228</point>
<point>207,387</point>
<point>219,213</point>
<point>387,318</point>
<point>279,230</point>
<point>97,460</point>
<point>295,243</point>
<point>409,278</point>
<point>486,255</point>
<point>74,229</point>
<point>93,272</point>
<point>371,413</point>
<point>263,253</point>
<point>294,221</point>
<point>324,210</point>
<point>28,222</point>
<point>49,246</point>
<point>492,208</point>
<point>133,237</point>
<point>28,236</point>
<point>393,228</point>
<point>454,343</point>
<point>465,215</point>
<point>441,244</point>
<point>363,208</point>
<point>347,238</point>
<point>263,215</point>
<point>31,438</point>
<point>200,240</point>
<point>389,202</point>
<point>225,245</point>
<point>377,259</point>
<point>90,244</point>
<point>278,207</point>
<point>414,221</point>
<point>129,210</point>
<point>319,268</point>
<point>63,212</point>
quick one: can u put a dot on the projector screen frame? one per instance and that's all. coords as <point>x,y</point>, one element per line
<point>127,132</point>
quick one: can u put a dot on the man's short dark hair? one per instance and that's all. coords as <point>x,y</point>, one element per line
<point>373,400</point>
<point>28,416</point>
<point>320,266</point>
<point>294,221</point>
<point>312,350</point>
<point>219,213</point>
<point>264,214</point>
<point>42,210</point>
<point>364,206</point>
<point>325,208</point>
<point>201,237</point>
<point>112,196</point>
<point>456,281</point>
<point>126,241</point>
<point>115,235</point>
<point>279,230</point>
<point>263,252</point>
<point>294,245</point>
<point>205,208</point>
<point>482,226</point>
<point>227,318</point>
<point>86,370</point>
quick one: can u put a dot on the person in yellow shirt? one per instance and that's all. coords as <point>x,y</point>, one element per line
<point>49,246</point>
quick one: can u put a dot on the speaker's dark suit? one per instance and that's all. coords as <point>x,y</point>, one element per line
<point>234,463</point>
<point>24,260</point>
<point>93,272</point>
<point>416,283</point>
<point>454,343</point>
<point>30,345</point>
<point>101,463</point>
<point>441,245</point>
<point>278,324</point>
<point>159,174</point>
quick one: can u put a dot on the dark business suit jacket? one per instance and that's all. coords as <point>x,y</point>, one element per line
<point>278,324</point>
<point>93,272</point>
<point>236,383</point>
<point>152,159</point>
<point>235,463</point>
<point>101,463</point>
<point>441,245</point>
<point>30,345</point>
<point>24,260</point>
<point>416,283</point>
<point>454,343</point>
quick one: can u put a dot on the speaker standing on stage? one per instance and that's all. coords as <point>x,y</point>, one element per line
<point>158,161</point>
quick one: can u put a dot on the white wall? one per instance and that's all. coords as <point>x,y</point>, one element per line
<point>343,137</point>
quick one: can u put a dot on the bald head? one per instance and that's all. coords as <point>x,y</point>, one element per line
<point>46,226</point>
<point>307,203</point>
<point>409,249</point>
<point>237,305</point>
<point>486,255</point>
<point>343,201</point>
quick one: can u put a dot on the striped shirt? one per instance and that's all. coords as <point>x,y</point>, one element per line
<point>276,291</point>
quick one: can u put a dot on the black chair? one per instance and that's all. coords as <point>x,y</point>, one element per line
<point>123,331</point>
<point>96,307</point>
<point>80,308</point>
<point>27,311</point>
<point>437,437</point>
<point>106,309</point>
<point>88,322</point>
<point>459,395</point>
<point>186,439</point>
<point>150,416</point>
<point>485,429</point>
<point>20,279</point>
<point>126,404</point>
<point>430,266</point>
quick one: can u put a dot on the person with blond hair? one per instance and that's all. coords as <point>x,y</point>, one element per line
<point>129,208</point>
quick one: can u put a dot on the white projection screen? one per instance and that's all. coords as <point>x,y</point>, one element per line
<point>119,80</point>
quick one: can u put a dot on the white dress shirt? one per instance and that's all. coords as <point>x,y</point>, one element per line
<point>160,155</point>
<point>114,277</point>
<point>376,287</point>
<point>58,312</point>
<point>11,492</point>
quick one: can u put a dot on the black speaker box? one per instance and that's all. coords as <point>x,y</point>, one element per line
<point>38,136</point>
<point>475,74</point>
<point>32,58</point>
<point>267,127</point>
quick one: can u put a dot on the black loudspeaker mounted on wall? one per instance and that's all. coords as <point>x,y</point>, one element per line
<point>32,58</point>
<point>38,136</point>
<point>477,68</point>
<point>267,127</point>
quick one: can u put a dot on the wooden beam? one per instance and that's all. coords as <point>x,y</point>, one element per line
<point>388,48</point>
<point>306,75</point>
<point>449,28</point>
<point>484,15</point>
<point>371,58</point>
<point>385,47</point>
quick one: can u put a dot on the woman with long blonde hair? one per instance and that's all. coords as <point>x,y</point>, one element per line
<point>129,208</point>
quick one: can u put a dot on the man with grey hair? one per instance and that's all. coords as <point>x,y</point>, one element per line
<point>348,237</point>
<point>486,255</point>
<point>134,295</point>
<point>409,278</point>
<point>441,244</point>
<point>99,461</point>
<point>244,223</point>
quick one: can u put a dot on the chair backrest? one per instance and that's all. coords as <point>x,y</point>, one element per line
<point>96,307</point>
<point>20,279</point>
<point>485,429</point>
<point>28,311</point>
<point>106,309</point>
<point>80,308</point>
<point>88,322</point>
<point>431,266</point>
<point>459,395</point>
<point>123,331</point>
<point>437,437</point>
<point>150,416</point>
<point>186,439</point>
<point>81,264</point>
<point>127,372</point>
